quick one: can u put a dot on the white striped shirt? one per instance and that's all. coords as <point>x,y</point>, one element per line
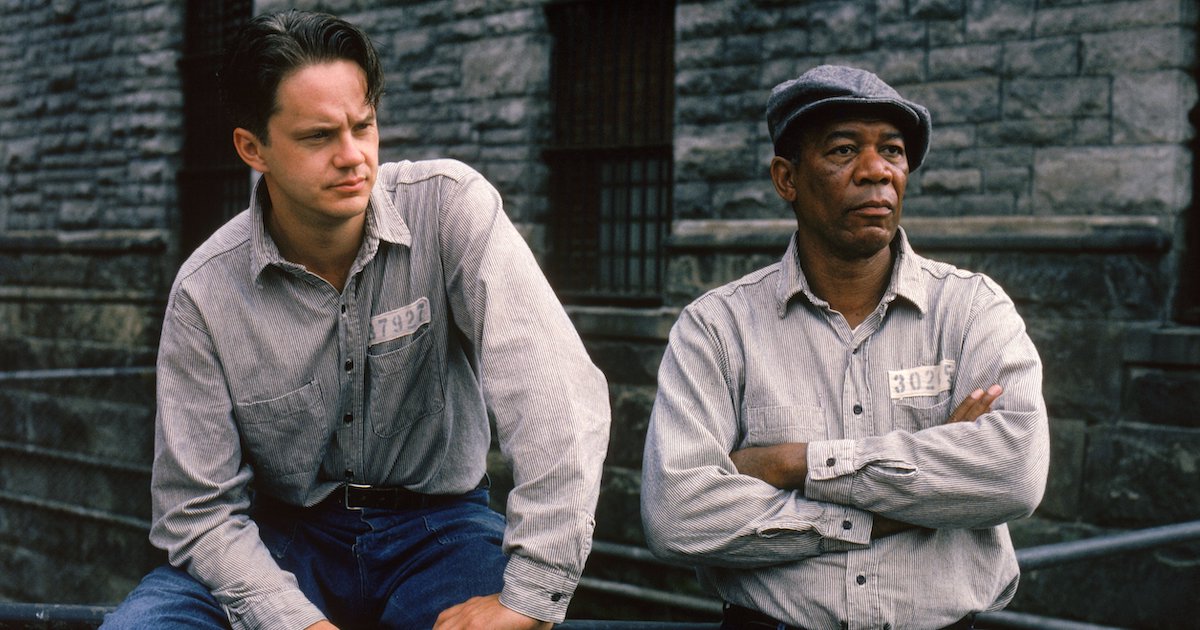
<point>763,361</point>
<point>267,376</point>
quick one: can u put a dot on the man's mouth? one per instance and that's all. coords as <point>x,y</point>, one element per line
<point>353,184</point>
<point>874,208</point>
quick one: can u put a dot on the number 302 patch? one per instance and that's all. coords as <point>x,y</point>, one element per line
<point>400,322</point>
<point>928,380</point>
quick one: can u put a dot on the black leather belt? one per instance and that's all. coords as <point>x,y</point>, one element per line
<point>353,496</point>
<point>740,618</point>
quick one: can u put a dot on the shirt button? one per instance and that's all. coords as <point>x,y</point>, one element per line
<point>348,418</point>
<point>555,597</point>
<point>343,308</point>
<point>862,579</point>
<point>349,474</point>
<point>857,410</point>
<point>887,626</point>
<point>831,461</point>
<point>349,364</point>
<point>845,626</point>
<point>847,525</point>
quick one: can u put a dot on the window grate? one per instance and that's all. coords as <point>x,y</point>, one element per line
<point>612,85</point>
<point>214,184</point>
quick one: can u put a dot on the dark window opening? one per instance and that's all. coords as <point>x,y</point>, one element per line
<point>610,165</point>
<point>214,184</point>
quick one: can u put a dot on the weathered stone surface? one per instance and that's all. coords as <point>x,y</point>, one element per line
<point>1096,180</point>
<point>969,100</point>
<point>1140,475</point>
<point>1150,107</point>
<point>1155,395</point>
<point>1138,50</point>
<point>1056,98</point>
<point>1081,366</point>
<point>962,62</point>
<point>1068,447</point>
<point>1000,19</point>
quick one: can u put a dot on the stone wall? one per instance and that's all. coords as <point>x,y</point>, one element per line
<point>1060,166</point>
<point>90,135</point>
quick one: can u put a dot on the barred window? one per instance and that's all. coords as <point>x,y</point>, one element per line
<point>610,165</point>
<point>214,184</point>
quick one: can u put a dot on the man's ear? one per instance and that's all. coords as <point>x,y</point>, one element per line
<point>248,148</point>
<point>781,176</point>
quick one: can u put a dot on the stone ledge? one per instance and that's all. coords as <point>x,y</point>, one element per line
<point>89,241</point>
<point>652,324</point>
<point>25,295</point>
<point>1068,234</point>
<point>1177,346</point>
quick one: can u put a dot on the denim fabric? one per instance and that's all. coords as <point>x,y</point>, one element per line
<point>363,569</point>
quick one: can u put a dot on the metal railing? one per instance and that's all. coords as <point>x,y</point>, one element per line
<point>18,616</point>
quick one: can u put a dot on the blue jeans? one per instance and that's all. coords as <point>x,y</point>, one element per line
<point>363,568</point>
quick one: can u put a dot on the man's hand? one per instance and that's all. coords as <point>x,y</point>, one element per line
<point>782,465</point>
<point>975,405</point>
<point>322,625</point>
<point>486,613</point>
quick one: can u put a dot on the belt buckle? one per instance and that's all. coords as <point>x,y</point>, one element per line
<point>346,495</point>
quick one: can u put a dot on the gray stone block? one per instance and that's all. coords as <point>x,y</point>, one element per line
<point>1155,395</point>
<point>1117,180</point>
<point>1056,56</point>
<point>1125,51</point>
<point>1151,107</point>
<point>964,101</point>
<point>1056,98</point>
<point>1068,445</point>
<point>1140,475</point>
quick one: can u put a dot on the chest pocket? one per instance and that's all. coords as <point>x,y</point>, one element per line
<point>285,435</point>
<point>405,382</point>
<point>778,425</point>
<point>914,414</point>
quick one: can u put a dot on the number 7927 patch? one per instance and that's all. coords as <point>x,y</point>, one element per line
<point>400,322</point>
<point>928,380</point>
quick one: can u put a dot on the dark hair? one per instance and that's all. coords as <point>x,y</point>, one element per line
<point>271,46</point>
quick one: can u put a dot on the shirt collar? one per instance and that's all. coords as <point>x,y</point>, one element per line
<point>384,223</point>
<point>904,283</point>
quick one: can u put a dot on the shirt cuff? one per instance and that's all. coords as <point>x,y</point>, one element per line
<point>278,611</point>
<point>830,471</point>
<point>537,590</point>
<point>844,528</point>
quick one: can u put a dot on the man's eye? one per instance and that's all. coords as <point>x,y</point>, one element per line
<point>844,149</point>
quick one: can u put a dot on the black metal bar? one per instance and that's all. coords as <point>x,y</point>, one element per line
<point>1055,554</point>
<point>1006,619</point>
<point>72,373</point>
<point>69,613</point>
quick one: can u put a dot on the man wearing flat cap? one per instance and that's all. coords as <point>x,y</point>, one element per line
<point>829,444</point>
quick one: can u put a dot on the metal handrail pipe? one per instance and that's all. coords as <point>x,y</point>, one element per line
<point>1054,554</point>
<point>66,613</point>
<point>69,373</point>
<point>1003,620</point>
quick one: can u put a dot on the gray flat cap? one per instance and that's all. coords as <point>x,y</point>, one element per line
<point>838,91</point>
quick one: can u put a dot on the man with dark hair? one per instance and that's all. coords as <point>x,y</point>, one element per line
<point>328,364</point>
<point>804,450</point>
